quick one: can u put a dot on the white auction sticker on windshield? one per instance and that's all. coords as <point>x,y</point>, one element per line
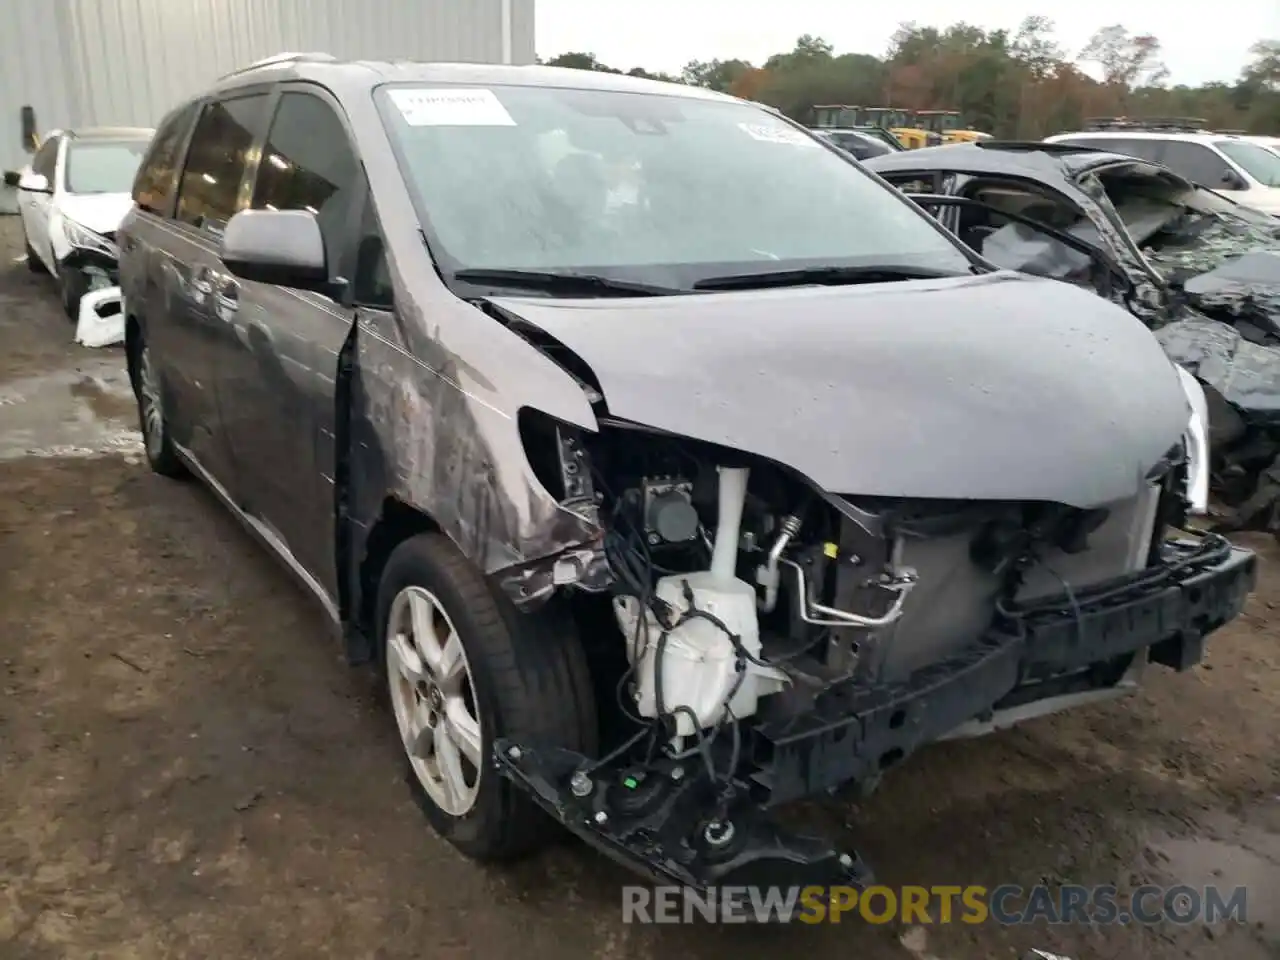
<point>776,134</point>
<point>451,108</point>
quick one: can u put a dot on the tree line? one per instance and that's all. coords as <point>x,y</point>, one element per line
<point>1014,84</point>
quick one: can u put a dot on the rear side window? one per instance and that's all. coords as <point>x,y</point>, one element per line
<point>157,179</point>
<point>225,134</point>
<point>1142,149</point>
<point>1197,163</point>
<point>308,164</point>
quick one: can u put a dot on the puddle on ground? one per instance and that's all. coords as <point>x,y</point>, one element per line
<point>83,412</point>
<point>105,400</point>
<point>1230,855</point>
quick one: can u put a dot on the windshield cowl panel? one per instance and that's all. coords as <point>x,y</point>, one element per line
<point>653,189</point>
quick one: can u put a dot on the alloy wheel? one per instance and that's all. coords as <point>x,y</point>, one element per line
<point>434,702</point>
<point>151,405</point>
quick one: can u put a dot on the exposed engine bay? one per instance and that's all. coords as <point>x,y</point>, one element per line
<point>779,641</point>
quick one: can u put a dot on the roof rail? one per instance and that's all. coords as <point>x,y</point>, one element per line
<point>1181,124</point>
<point>280,58</point>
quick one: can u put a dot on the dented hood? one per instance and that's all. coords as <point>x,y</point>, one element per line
<point>100,212</point>
<point>994,387</point>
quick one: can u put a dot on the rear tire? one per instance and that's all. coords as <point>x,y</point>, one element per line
<point>147,389</point>
<point>522,676</point>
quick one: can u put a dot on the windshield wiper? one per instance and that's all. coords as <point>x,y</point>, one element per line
<point>833,276</point>
<point>557,282</point>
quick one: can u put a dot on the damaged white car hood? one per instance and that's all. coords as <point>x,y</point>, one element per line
<point>100,212</point>
<point>1000,387</point>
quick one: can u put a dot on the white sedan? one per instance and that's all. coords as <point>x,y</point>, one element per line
<point>72,198</point>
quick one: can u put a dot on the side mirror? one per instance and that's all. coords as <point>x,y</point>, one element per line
<point>34,183</point>
<point>30,139</point>
<point>280,247</point>
<point>1233,181</point>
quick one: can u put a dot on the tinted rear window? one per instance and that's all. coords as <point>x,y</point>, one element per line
<point>157,179</point>
<point>1143,149</point>
<point>210,190</point>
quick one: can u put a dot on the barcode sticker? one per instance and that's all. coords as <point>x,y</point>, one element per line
<point>777,134</point>
<point>451,108</point>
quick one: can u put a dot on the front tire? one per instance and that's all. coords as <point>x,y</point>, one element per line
<point>462,667</point>
<point>161,456</point>
<point>72,286</point>
<point>33,259</point>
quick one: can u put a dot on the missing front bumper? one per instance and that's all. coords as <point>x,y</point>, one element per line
<point>101,318</point>
<point>858,730</point>
<point>100,269</point>
<point>669,822</point>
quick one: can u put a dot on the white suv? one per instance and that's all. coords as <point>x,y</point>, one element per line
<point>1247,172</point>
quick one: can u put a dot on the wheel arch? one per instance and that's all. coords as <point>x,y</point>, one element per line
<point>395,522</point>
<point>134,333</point>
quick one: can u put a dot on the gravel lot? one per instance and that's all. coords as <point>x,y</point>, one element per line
<point>187,768</point>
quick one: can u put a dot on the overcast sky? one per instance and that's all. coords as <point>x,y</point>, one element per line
<point>666,34</point>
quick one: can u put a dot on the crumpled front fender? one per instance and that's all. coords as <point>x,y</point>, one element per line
<point>434,422</point>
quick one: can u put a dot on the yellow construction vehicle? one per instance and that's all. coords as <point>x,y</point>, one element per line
<point>832,115</point>
<point>898,122</point>
<point>948,126</point>
<point>901,124</point>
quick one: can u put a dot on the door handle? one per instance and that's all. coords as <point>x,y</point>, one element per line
<point>201,285</point>
<point>227,301</point>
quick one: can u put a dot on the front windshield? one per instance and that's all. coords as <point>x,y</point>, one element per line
<point>1259,162</point>
<point>665,189</point>
<point>103,166</point>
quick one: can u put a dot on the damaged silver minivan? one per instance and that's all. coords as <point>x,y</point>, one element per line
<point>669,466</point>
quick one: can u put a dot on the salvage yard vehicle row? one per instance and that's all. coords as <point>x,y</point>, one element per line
<point>1199,269</point>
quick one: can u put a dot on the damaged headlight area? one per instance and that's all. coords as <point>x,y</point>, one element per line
<point>81,238</point>
<point>1196,443</point>
<point>91,254</point>
<point>764,640</point>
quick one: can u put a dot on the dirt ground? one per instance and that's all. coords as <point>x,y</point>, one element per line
<point>188,769</point>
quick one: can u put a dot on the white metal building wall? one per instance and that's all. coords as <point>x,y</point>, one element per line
<point>126,62</point>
